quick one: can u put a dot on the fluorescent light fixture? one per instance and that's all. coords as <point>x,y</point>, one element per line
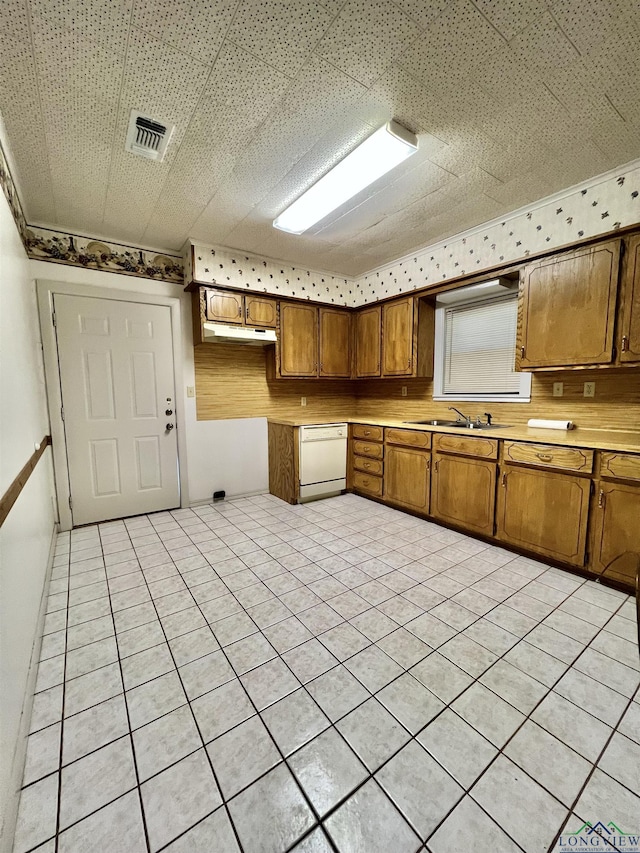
<point>377,155</point>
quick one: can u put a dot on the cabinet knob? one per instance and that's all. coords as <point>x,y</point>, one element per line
<point>601,498</point>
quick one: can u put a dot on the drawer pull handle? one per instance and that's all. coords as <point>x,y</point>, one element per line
<point>366,465</point>
<point>625,343</point>
<point>435,467</point>
<point>522,352</point>
<point>545,457</point>
<point>365,482</point>
<point>600,498</point>
<point>367,432</point>
<point>503,481</point>
<point>428,464</point>
<point>366,448</point>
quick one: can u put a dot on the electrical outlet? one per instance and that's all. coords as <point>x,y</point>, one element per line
<point>558,390</point>
<point>404,391</point>
<point>303,401</point>
<point>589,389</point>
<point>191,391</point>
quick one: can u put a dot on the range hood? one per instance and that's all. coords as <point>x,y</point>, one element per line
<point>217,333</point>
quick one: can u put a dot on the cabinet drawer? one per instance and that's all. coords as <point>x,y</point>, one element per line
<point>369,466</point>
<point>621,466</point>
<point>373,433</point>
<point>367,483</point>
<point>366,448</point>
<point>486,448</point>
<point>408,437</point>
<point>549,456</point>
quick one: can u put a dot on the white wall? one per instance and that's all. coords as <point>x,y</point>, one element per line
<point>25,537</point>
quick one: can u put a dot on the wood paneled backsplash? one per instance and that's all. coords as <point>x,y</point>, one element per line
<point>231,383</point>
<point>616,404</point>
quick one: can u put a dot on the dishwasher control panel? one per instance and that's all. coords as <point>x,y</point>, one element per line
<point>322,432</point>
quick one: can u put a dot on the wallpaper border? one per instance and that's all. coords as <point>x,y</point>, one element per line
<point>62,247</point>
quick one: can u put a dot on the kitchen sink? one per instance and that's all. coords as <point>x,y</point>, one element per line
<point>459,424</point>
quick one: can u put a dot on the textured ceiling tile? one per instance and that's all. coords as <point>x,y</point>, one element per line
<point>281,33</point>
<point>510,17</point>
<point>238,96</point>
<point>617,140</point>
<point>423,12</point>
<point>79,109</point>
<point>320,97</point>
<point>543,47</point>
<point>104,22</point>
<point>166,85</point>
<point>20,108</point>
<point>196,27</point>
<point>366,37</point>
<point>582,97</point>
<point>410,187</point>
<point>453,45</point>
<point>587,23</point>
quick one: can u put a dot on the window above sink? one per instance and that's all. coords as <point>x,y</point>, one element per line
<point>475,339</point>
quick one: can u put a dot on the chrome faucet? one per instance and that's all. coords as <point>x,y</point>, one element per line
<point>465,418</point>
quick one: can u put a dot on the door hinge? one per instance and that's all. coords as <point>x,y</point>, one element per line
<point>53,318</point>
<point>70,503</point>
<point>62,412</point>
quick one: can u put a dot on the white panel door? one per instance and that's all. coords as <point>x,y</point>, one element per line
<point>116,376</point>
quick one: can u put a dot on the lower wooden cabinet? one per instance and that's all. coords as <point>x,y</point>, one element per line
<point>545,512</point>
<point>463,492</point>
<point>615,547</point>
<point>406,477</point>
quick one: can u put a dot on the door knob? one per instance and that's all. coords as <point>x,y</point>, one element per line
<point>169,427</point>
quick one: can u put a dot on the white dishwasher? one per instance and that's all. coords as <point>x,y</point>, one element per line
<point>323,460</point>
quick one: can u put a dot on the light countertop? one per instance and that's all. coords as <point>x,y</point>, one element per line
<point>596,439</point>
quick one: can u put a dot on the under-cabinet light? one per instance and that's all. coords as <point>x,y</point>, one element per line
<point>377,155</point>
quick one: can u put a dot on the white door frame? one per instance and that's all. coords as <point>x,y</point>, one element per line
<point>45,291</point>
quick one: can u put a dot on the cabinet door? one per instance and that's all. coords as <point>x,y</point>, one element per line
<point>616,533</point>
<point>367,335</point>
<point>545,512</point>
<point>335,342</point>
<point>567,308</point>
<point>463,492</point>
<point>406,477</point>
<point>397,338</point>
<point>629,348</point>
<point>260,311</point>
<point>298,340</point>
<point>223,307</point>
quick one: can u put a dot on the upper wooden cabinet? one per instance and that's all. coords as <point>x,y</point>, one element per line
<point>260,311</point>
<point>395,339</point>
<point>298,340</point>
<point>313,341</point>
<point>629,336</point>
<point>335,343</point>
<point>367,342</point>
<point>250,310</point>
<point>223,307</point>
<point>567,308</point>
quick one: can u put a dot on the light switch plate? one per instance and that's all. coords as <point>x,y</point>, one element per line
<point>558,389</point>
<point>589,389</point>
<point>191,391</point>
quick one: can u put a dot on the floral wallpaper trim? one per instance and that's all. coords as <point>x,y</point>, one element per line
<point>11,194</point>
<point>59,247</point>
<point>232,268</point>
<point>62,248</point>
<point>602,205</point>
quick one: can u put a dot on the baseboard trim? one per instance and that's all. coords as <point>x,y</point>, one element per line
<point>20,753</point>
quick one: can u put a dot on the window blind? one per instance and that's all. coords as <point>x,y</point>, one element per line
<point>479,348</point>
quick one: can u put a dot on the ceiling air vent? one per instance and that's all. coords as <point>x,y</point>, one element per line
<point>147,137</point>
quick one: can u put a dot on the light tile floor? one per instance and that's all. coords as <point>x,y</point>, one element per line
<point>337,676</point>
